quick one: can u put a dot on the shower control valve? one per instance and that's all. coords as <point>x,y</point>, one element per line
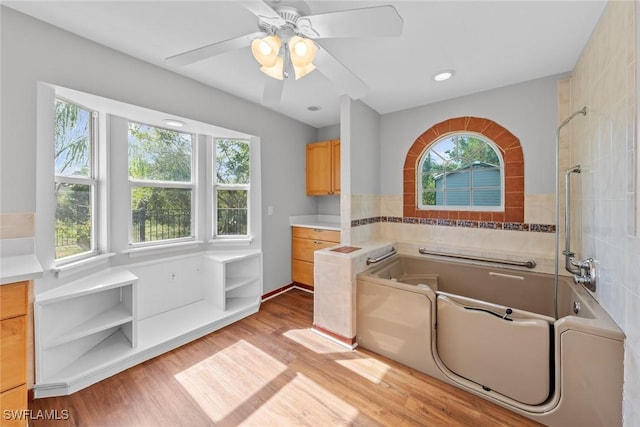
<point>587,276</point>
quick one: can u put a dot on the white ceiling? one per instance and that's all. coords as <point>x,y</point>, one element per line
<point>488,43</point>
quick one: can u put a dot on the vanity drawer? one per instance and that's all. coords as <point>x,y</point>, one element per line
<point>13,299</point>
<point>302,272</point>
<point>316,234</point>
<point>303,249</point>
<point>14,400</point>
<point>13,352</point>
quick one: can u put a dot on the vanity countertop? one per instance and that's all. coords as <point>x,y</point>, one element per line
<point>19,267</point>
<point>324,222</point>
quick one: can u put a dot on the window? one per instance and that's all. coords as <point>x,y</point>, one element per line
<point>502,141</point>
<point>231,188</point>
<point>162,184</point>
<point>461,171</point>
<point>75,183</point>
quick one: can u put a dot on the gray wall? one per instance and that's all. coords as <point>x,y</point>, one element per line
<point>33,51</point>
<point>364,145</point>
<point>528,110</point>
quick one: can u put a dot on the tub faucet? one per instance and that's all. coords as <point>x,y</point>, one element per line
<point>587,273</point>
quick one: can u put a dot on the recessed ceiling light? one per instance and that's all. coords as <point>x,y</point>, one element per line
<point>443,75</point>
<point>314,108</point>
<point>173,123</point>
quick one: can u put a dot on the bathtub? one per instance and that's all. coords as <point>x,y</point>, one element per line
<point>492,331</point>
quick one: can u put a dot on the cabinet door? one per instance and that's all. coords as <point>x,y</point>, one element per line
<point>13,352</point>
<point>15,401</point>
<point>13,299</point>
<point>335,166</point>
<point>303,249</point>
<point>302,272</point>
<point>319,168</point>
<point>316,234</point>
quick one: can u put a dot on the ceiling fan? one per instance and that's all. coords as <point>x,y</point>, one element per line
<point>285,43</point>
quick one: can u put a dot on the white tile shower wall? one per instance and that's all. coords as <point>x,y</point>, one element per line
<point>494,243</point>
<point>605,144</point>
<point>539,208</point>
<point>364,206</point>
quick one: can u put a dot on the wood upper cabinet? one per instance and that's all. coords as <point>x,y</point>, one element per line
<point>323,168</point>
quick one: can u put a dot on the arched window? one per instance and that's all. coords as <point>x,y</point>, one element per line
<point>461,170</point>
<point>423,183</point>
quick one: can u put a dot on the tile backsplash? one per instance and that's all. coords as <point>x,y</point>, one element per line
<point>16,225</point>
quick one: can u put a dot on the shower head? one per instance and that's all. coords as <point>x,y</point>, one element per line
<point>583,111</point>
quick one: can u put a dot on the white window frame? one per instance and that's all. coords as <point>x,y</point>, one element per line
<point>215,186</point>
<point>90,181</point>
<point>419,174</point>
<point>136,183</point>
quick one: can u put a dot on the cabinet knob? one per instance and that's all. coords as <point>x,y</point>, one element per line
<point>316,242</point>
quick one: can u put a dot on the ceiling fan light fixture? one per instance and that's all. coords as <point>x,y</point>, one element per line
<point>266,50</point>
<point>303,71</point>
<point>303,51</point>
<point>276,70</point>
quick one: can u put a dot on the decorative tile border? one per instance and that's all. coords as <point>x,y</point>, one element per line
<point>491,225</point>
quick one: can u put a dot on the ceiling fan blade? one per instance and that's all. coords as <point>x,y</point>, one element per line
<point>377,21</point>
<point>341,77</point>
<point>214,49</point>
<point>272,91</point>
<point>263,11</point>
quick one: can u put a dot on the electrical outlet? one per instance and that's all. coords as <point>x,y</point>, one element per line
<point>269,210</point>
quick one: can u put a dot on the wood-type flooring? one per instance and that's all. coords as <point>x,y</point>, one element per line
<point>271,369</point>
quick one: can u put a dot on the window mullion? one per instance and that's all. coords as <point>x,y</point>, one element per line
<point>161,184</point>
<point>62,179</point>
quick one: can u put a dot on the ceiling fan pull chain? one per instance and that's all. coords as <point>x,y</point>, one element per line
<point>285,73</point>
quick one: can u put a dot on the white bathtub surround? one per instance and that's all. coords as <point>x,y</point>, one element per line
<point>102,324</point>
<point>334,303</point>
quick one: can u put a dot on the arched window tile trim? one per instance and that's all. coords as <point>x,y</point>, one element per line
<point>511,151</point>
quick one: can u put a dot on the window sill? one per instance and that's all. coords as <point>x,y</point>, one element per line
<point>161,248</point>
<point>83,264</point>
<point>225,242</point>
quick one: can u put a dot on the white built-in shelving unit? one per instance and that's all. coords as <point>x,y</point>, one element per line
<point>241,276</point>
<point>88,330</point>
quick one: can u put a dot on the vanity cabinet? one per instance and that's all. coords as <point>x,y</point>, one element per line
<point>323,168</point>
<point>13,351</point>
<point>304,242</point>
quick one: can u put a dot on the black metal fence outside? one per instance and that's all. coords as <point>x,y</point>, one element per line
<point>232,221</point>
<point>160,225</point>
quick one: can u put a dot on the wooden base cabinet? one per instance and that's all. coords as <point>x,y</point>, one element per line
<point>13,354</point>
<point>304,242</point>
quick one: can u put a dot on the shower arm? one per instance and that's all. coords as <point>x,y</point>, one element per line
<point>570,264</point>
